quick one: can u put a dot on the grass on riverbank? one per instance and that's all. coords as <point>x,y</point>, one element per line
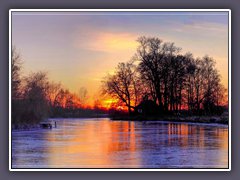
<point>192,119</point>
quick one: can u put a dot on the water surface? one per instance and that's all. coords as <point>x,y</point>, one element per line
<point>102,143</point>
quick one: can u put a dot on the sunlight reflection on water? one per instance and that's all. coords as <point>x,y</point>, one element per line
<point>102,143</point>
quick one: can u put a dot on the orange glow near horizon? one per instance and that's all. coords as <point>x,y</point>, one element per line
<point>111,103</point>
<point>108,103</point>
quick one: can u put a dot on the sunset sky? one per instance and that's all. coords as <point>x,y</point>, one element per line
<point>79,48</point>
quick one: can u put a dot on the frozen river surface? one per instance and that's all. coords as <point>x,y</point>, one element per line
<point>102,143</point>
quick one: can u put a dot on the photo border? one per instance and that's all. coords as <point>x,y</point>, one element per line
<point>123,10</point>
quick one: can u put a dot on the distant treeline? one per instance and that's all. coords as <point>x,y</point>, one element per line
<point>158,72</point>
<point>35,98</point>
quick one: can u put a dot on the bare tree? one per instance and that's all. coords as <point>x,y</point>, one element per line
<point>83,95</point>
<point>35,97</point>
<point>148,53</point>
<point>16,65</point>
<point>53,90</point>
<point>122,85</point>
<point>60,99</point>
<point>16,82</point>
<point>211,83</point>
<point>155,63</point>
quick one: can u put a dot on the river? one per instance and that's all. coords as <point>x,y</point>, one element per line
<point>102,143</point>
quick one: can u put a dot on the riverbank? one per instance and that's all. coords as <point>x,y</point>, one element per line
<point>192,119</point>
<point>25,126</point>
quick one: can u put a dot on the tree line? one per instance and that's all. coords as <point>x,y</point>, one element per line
<point>35,97</point>
<point>174,81</point>
<point>158,72</point>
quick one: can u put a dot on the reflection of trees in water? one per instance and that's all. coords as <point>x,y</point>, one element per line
<point>186,135</point>
<point>79,143</point>
<point>123,137</point>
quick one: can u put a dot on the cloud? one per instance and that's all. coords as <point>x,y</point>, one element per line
<point>213,28</point>
<point>105,41</point>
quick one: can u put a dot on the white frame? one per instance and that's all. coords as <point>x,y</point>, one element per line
<point>124,10</point>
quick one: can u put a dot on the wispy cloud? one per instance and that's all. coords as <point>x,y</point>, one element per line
<point>202,27</point>
<point>104,41</point>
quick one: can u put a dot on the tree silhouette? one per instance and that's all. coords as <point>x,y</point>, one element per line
<point>35,97</point>
<point>155,60</point>
<point>170,79</point>
<point>123,85</point>
<point>16,65</point>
